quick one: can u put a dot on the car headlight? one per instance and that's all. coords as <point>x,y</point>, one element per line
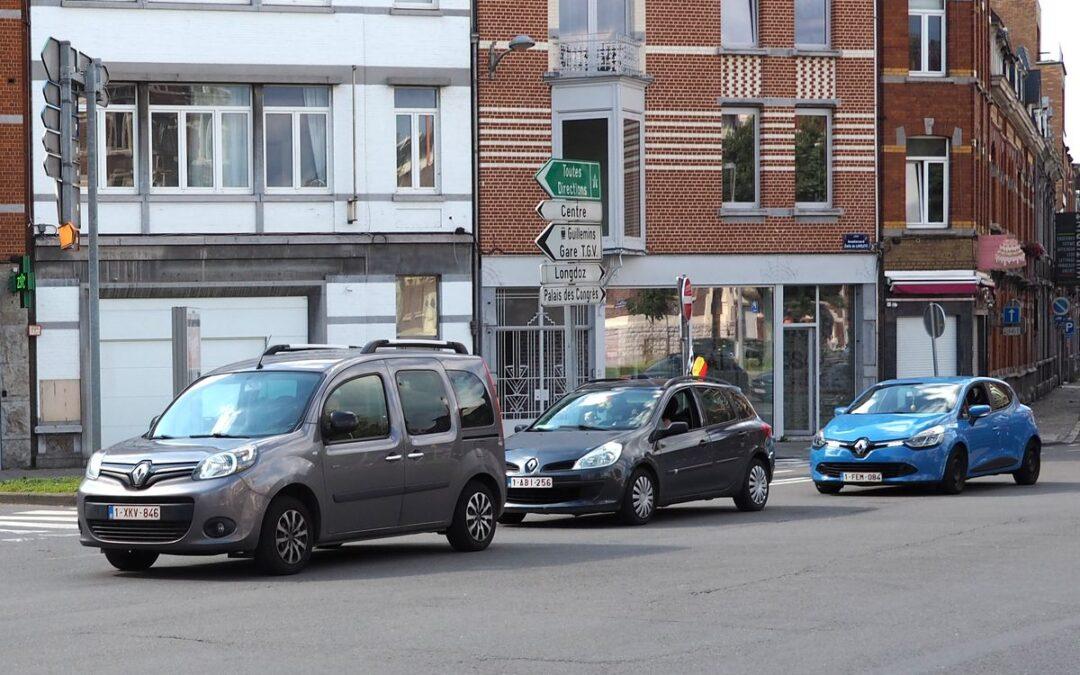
<point>819,440</point>
<point>927,438</point>
<point>93,467</point>
<point>226,463</point>
<point>606,455</point>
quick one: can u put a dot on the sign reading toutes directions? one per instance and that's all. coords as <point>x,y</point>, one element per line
<point>573,239</point>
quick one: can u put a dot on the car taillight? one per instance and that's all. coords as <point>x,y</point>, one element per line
<point>768,430</point>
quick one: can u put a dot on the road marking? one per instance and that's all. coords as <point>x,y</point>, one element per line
<point>44,519</point>
<point>791,481</point>
<point>67,512</point>
<point>37,524</point>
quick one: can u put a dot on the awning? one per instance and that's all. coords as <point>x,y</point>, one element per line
<point>937,282</point>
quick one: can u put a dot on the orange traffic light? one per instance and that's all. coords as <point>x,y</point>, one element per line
<point>69,236</point>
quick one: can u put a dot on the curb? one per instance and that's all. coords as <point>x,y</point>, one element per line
<point>38,498</point>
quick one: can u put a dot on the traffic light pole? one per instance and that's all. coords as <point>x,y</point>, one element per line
<point>92,74</point>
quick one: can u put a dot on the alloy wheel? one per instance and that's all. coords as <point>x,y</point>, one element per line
<point>291,536</point>
<point>643,496</point>
<point>758,484</point>
<point>479,516</point>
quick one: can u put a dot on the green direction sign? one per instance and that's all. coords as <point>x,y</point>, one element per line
<point>570,179</point>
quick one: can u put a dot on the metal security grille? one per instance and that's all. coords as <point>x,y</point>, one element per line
<point>531,353</point>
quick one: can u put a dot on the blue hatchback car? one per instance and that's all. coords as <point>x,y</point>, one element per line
<point>938,431</point>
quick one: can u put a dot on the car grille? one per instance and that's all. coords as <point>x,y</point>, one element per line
<point>512,468</point>
<point>176,515</point>
<point>886,469</point>
<point>554,495</point>
<point>158,472</point>
<point>560,466</point>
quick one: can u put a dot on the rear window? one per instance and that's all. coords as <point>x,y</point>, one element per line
<point>743,409</point>
<point>474,403</point>
<point>423,402</point>
<point>717,407</point>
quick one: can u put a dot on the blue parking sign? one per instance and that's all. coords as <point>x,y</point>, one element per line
<point>1070,328</point>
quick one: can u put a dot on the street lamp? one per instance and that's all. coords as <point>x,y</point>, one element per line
<point>519,43</point>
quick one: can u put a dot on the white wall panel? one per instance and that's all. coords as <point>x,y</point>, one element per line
<point>363,299</point>
<point>201,218</point>
<point>57,303</point>
<point>58,354</point>
<point>298,216</point>
<point>116,218</point>
<point>456,298</point>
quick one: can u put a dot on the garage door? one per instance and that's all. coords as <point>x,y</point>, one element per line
<point>914,354</point>
<point>136,349</point>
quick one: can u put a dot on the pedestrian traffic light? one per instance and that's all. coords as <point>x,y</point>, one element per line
<point>22,281</point>
<point>69,236</point>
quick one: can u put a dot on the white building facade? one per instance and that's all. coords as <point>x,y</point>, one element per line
<point>296,171</point>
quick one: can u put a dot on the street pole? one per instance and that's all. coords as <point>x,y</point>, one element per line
<point>91,76</point>
<point>68,168</point>
<point>933,336</point>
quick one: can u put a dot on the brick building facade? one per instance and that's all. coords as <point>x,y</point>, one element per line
<point>973,163</point>
<point>15,215</point>
<point>757,127</point>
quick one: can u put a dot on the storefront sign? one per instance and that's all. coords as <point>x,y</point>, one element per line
<point>1000,252</point>
<point>856,242</point>
<point>1067,248</point>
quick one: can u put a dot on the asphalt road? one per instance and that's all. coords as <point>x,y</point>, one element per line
<point>872,580</point>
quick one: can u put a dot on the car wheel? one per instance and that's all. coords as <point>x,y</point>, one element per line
<point>755,489</point>
<point>130,560</point>
<point>1028,474</point>
<point>829,488</point>
<point>473,527</point>
<point>952,482</point>
<point>512,518</point>
<point>286,539</point>
<point>639,500</point>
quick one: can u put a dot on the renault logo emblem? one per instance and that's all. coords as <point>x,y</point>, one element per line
<point>531,465</point>
<point>862,446</point>
<point>140,473</point>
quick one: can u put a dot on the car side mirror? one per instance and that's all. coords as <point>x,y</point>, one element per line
<point>520,427</point>
<point>342,422</point>
<point>840,411</point>
<point>673,429</point>
<point>977,411</point>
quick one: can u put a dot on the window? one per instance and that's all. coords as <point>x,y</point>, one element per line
<point>632,178</point>
<point>740,149</point>
<point>812,23</point>
<point>116,133</point>
<point>607,17</point>
<point>200,137</point>
<point>296,124</point>
<point>717,406</point>
<point>474,402</point>
<point>423,402</point>
<point>743,409</point>
<point>926,36</point>
<point>418,306</point>
<point>738,20</point>
<point>812,158</point>
<point>364,397</point>
<point>416,110</point>
<point>999,396</point>
<point>681,408</point>
<point>927,182</point>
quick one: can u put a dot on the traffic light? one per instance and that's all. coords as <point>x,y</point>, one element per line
<point>22,281</point>
<point>69,236</point>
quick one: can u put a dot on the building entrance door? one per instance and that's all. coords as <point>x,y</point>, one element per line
<point>799,378</point>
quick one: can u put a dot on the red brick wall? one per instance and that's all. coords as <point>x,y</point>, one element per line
<point>13,91</point>
<point>684,183</point>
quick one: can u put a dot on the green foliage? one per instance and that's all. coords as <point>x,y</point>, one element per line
<point>58,485</point>
<point>652,303</point>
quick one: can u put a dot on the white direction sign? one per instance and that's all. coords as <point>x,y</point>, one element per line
<point>572,273</point>
<point>562,296</point>
<point>562,211</point>
<point>564,242</point>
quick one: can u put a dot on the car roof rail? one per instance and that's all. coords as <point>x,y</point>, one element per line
<point>693,378</point>
<point>291,348</point>
<point>437,345</point>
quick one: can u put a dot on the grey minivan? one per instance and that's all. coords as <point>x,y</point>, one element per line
<point>308,446</point>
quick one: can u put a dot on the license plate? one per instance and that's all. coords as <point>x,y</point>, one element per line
<point>134,512</point>
<point>861,477</point>
<point>530,482</point>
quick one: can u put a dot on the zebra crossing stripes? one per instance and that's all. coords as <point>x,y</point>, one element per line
<point>36,523</point>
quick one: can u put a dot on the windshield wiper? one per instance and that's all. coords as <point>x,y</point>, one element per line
<point>162,437</point>
<point>217,436</point>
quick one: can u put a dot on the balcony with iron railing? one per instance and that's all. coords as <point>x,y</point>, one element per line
<point>599,55</point>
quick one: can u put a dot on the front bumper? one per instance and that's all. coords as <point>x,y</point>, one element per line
<point>572,492</point>
<point>898,465</point>
<point>186,507</point>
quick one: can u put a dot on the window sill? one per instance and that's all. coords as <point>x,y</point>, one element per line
<point>823,50</point>
<point>748,50</point>
<point>406,197</point>
<point>822,214</point>
<point>58,428</point>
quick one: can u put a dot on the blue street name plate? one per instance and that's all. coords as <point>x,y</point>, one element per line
<point>856,242</point>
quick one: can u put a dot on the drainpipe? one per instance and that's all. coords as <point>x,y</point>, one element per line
<point>879,212</point>
<point>477,276</point>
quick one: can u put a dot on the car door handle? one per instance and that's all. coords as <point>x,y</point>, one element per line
<point>415,455</point>
<point>393,458</point>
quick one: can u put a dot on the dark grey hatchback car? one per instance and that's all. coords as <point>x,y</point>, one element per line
<point>306,447</point>
<point>629,446</point>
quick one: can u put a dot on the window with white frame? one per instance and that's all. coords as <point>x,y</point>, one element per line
<point>739,23</point>
<point>926,36</point>
<point>605,17</point>
<point>740,150</point>
<point>200,137</point>
<point>116,134</point>
<point>416,112</point>
<point>812,23</point>
<point>927,182</point>
<point>813,180</point>
<point>296,124</point>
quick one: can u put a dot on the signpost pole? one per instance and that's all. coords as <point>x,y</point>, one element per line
<point>68,168</point>
<point>91,76</point>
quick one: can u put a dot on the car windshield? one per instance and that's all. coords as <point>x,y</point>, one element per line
<point>239,405</point>
<point>607,410</point>
<point>907,399</point>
